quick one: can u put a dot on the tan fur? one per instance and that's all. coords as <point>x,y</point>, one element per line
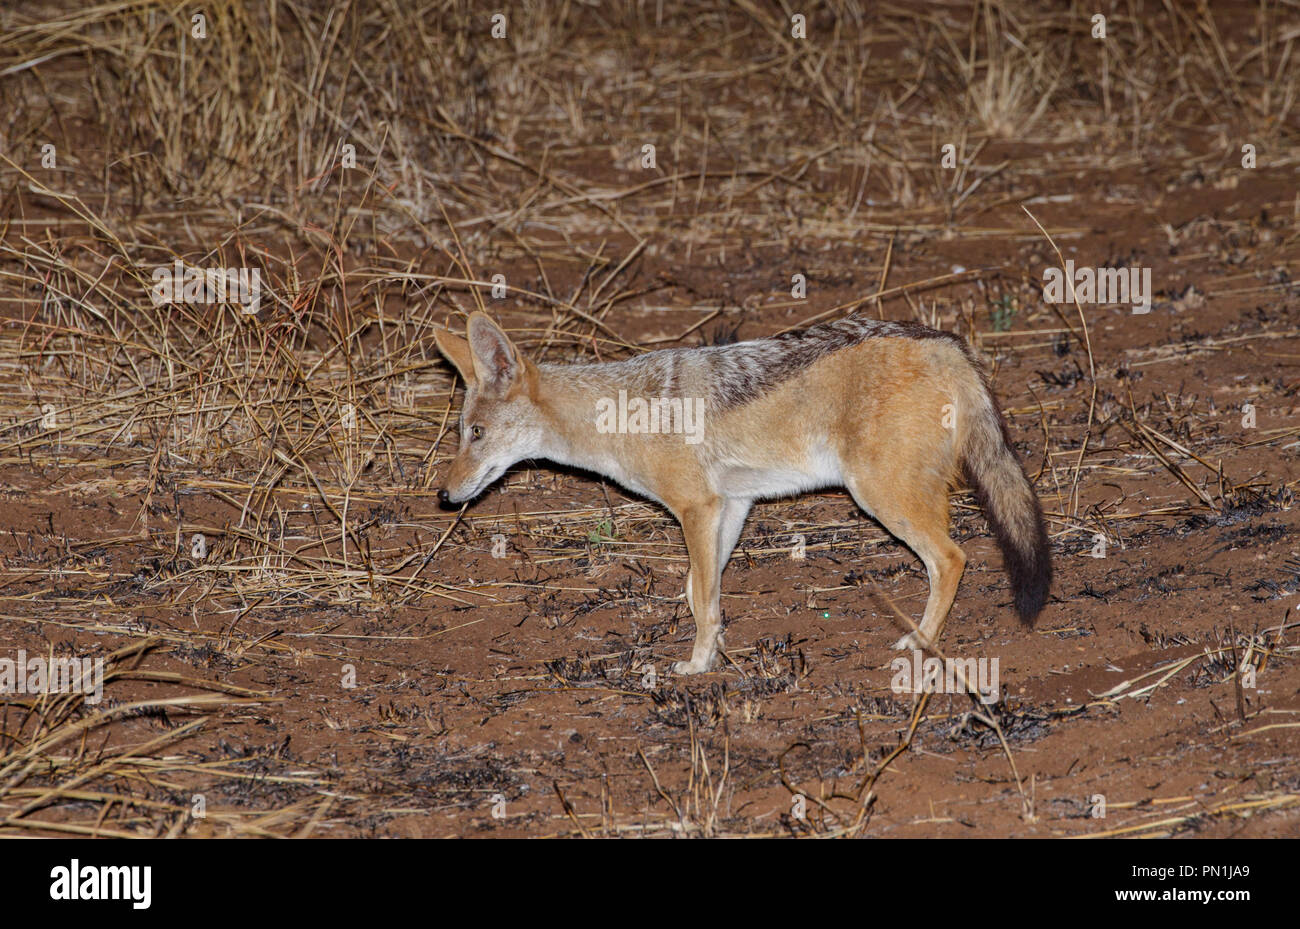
<point>869,417</point>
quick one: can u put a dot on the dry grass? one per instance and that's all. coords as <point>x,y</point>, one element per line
<point>283,439</point>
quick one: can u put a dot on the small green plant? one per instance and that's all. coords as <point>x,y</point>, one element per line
<point>1003,313</point>
<point>604,532</point>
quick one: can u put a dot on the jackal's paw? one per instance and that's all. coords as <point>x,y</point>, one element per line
<point>691,667</point>
<point>909,642</point>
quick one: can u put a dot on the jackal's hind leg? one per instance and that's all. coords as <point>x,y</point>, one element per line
<point>918,516</point>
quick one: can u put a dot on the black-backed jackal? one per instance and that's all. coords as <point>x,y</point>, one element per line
<point>891,411</point>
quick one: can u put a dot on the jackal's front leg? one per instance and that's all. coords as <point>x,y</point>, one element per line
<point>700,525</point>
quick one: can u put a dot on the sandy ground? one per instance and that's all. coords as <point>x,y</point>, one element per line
<point>344,658</point>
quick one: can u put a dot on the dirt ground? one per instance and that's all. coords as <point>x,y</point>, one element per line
<point>237,512</point>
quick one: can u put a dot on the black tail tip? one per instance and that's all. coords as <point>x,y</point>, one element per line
<point>1032,584</point>
<point>1029,604</point>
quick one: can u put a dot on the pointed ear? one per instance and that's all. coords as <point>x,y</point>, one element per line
<point>496,360</point>
<point>456,350</point>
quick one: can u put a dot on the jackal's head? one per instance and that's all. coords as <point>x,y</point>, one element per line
<point>500,422</point>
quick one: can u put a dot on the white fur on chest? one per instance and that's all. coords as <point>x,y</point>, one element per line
<point>607,466</point>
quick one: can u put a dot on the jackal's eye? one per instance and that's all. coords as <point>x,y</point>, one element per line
<point>476,432</point>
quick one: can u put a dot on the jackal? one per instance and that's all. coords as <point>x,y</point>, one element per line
<point>892,411</point>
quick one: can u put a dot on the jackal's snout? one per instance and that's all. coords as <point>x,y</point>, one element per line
<point>468,476</point>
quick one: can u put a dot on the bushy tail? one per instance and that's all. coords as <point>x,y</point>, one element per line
<point>1011,506</point>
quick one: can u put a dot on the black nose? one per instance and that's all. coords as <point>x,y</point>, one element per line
<point>443,497</point>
